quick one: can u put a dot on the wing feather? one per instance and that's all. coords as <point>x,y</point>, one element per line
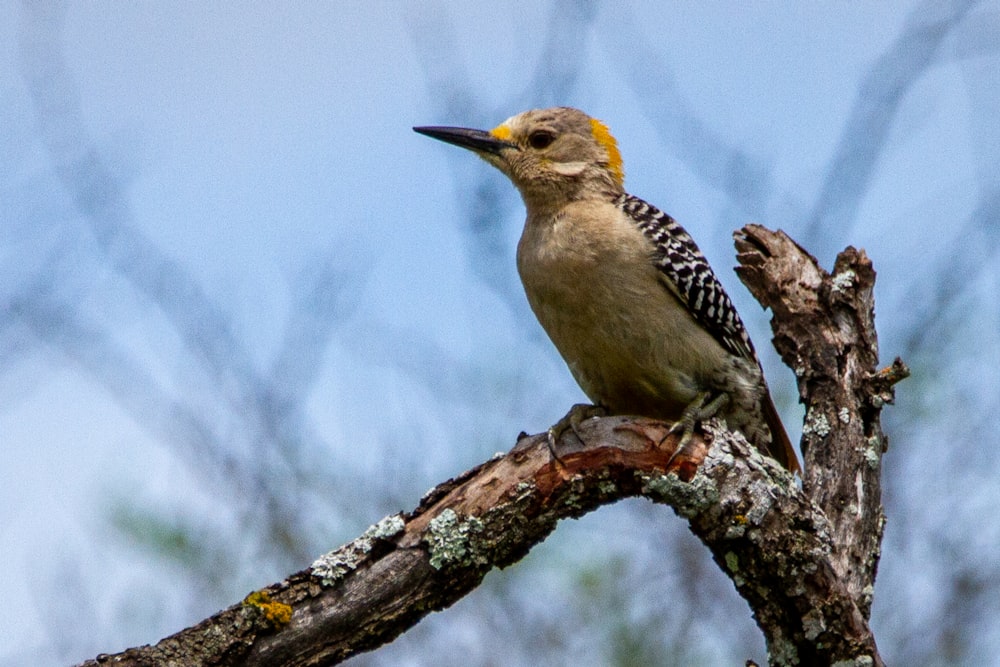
<point>688,275</point>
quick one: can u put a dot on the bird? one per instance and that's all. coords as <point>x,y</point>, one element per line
<point>621,289</point>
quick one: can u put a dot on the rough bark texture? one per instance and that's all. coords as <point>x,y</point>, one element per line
<point>824,330</point>
<point>804,559</point>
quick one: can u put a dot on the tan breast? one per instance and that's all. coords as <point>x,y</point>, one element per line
<point>630,344</point>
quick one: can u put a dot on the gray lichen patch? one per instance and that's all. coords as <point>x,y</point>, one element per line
<point>860,661</point>
<point>333,566</point>
<point>843,280</point>
<point>873,449</point>
<point>816,423</point>
<point>761,499</point>
<point>688,499</point>
<point>450,540</point>
<point>736,531</point>
<point>388,527</point>
<point>813,624</point>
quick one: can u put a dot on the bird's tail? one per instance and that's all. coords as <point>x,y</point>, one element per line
<point>780,447</point>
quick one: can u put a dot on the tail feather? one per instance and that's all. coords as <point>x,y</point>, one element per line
<point>781,447</point>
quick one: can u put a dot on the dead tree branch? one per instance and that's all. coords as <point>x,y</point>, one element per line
<point>804,559</point>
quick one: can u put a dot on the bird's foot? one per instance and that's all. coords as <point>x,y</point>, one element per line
<point>571,421</point>
<point>700,409</point>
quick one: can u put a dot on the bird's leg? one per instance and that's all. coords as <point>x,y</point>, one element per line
<point>700,409</point>
<point>572,420</point>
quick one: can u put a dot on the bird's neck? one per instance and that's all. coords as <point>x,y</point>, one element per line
<point>550,200</point>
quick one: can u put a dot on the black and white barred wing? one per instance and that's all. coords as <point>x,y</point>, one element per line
<point>688,275</point>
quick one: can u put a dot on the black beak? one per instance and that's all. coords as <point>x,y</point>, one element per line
<point>477,140</point>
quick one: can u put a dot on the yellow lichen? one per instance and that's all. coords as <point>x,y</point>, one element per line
<point>278,614</point>
<point>603,136</point>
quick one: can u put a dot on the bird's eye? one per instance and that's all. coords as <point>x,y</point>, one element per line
<point>541,139</point>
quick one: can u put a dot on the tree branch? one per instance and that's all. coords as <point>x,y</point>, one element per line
<point>804,559</point>
<point>824,330</point>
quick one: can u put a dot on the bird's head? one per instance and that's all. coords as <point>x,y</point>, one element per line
<point>552,155</point>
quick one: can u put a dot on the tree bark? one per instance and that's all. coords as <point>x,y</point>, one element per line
<point>804,558</point>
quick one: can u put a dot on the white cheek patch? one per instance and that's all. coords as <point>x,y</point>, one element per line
<point>569,168</point>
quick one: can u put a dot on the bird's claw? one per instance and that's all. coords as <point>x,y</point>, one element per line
<point>698,410</point>
<point>571,421</point>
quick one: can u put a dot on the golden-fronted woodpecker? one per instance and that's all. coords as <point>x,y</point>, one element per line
<point>622,290</point>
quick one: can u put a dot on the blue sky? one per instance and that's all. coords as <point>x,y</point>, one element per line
<point>258,145</point>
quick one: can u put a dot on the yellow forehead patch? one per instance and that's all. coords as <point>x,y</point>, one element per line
<point>604,138</point>
<point>501,131</point>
